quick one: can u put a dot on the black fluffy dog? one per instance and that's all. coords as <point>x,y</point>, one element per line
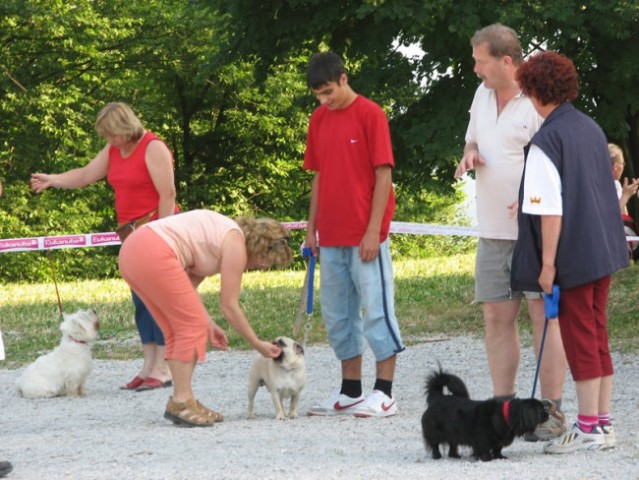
<point>486,426</point>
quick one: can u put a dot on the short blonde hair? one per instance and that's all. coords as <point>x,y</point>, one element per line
<point>267,238</point>
<point>117,118</point>
<point>616,155</point>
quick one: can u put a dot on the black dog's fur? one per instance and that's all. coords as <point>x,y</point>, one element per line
<point>456,420</point>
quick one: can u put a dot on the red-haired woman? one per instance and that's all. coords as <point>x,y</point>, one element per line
<point>571,235</point>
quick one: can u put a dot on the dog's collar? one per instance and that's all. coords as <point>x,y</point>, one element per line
<point>77,341</point>
<point>505,408</point>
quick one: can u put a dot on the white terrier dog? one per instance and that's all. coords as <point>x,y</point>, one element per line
<point>64,370</point>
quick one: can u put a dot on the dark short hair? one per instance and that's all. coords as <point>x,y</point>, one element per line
<point>324,67</point>
<point>549,77</point>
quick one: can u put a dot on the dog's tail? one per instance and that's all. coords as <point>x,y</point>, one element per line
<point>438,380</point>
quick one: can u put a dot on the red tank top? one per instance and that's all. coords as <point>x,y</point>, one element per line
<point>135,194</point>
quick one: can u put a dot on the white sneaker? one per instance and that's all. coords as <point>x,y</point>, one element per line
<point>575,439</point>
<point>337,404</point>
<point>377,404</point>
<point>610,436</point>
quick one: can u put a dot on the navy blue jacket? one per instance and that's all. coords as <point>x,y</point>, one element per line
<point>592,242</point>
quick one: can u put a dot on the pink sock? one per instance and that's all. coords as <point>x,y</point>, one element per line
<point>604,418</point>
<point>587,422</point>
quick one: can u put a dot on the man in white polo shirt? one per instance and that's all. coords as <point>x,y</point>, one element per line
<point>502,122</point>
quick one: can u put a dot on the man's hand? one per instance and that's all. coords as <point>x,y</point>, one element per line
<point>512,209</point>
<point>469,161</point>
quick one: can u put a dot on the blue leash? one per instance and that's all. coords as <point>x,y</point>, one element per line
<point>551,310</point>
<point>308,253</point>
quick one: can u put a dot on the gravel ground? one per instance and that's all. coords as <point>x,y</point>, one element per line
<point>111,434</point>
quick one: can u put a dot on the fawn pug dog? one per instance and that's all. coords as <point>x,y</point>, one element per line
<point>284,377</point>
<point>64,370</point>
<point>486,426</point>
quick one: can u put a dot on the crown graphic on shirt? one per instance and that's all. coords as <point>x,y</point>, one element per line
<point>535,199</point>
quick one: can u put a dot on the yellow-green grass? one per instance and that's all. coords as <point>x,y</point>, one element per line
<point>433,299</point>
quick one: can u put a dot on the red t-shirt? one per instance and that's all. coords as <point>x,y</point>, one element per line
<point>135,194</point>
<point>345,146</point>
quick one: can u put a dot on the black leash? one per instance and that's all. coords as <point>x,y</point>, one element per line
<point>55,282</point>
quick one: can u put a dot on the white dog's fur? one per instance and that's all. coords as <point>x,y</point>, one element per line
<point>64,370</point>
<point>284,377</point>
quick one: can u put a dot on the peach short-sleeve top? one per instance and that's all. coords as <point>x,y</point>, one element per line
<point>196,237</point>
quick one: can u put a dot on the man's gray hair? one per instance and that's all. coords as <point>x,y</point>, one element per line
<point>501,41</point>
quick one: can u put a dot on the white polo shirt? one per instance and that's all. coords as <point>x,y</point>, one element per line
<point>501,140</point>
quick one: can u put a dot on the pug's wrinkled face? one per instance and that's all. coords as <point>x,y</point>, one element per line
<point>290,349</point>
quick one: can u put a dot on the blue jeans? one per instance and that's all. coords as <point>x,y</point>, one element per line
<point>357,300</point>
<point>147,328</point>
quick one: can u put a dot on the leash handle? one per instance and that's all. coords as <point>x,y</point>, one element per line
<point>551,303</point>
<point>307,252</point>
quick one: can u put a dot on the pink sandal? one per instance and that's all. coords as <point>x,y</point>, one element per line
<point>151,383</point>
<point>133,384</point>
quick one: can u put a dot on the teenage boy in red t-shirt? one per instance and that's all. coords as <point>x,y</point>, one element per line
<point>352,203</point>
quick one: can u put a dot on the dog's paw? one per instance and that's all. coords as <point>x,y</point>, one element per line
<point>280,416</point>
<point>293,415</point>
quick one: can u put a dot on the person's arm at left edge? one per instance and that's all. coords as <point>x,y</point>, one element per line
<point>159,162</point>
<point>369,246</point>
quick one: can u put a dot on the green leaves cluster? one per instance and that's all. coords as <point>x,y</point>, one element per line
<point>223,83</point>
<point>237,143</point>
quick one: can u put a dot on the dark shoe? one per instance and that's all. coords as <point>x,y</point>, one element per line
<point>151,383</point>
<point>133,384</point>
<point>5,468</point>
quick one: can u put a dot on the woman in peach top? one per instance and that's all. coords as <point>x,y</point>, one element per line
<point>165,261</point>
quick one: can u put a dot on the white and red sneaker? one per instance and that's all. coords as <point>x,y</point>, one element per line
<point>377,404</point>
<point>337,404</point>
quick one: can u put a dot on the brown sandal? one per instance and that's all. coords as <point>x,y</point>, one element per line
<point>216,416</point>
<point>191,413</point>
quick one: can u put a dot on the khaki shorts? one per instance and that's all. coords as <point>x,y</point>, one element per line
<point>492,272</point>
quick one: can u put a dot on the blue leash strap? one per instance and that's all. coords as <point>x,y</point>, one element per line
<point>308,253</point>
<point>551,310</point>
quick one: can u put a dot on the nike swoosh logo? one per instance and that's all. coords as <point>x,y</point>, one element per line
<point>386,408</point>
<point>338,406</point>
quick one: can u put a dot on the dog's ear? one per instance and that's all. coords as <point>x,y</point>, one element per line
<point>299,348</point>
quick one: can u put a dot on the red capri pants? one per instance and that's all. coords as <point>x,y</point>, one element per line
<point>582,321</point>
<point>153,271</point>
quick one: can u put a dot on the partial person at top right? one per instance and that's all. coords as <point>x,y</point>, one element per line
<point>630,185</point>
<point>624,193</point>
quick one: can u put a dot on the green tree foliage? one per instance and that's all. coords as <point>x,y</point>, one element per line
<point>223,83</point>
<point>429,97</point>
<point>237,145</point>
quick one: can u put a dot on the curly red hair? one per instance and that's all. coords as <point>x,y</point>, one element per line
<point>549,77</point>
